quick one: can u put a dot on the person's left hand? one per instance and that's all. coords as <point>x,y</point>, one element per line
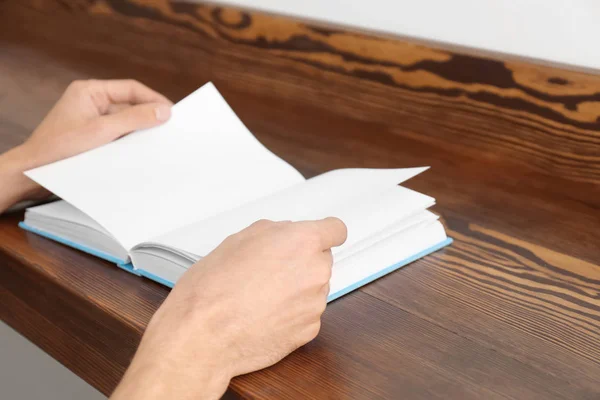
<point>92,113</point>
<point>89,114</point>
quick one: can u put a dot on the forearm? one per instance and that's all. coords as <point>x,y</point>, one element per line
<point>183,364</point>
<point>15,186</point>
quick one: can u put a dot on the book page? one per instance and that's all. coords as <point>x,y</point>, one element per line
<point>65,212</point>
<point>367,200</point>
<point>349,272</point>
<point>201,162</point>
<point>403,224</point>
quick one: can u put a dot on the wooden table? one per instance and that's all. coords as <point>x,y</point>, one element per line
<point>511,309</point>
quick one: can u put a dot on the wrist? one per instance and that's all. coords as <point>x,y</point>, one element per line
<point>13,164</point>
<point>159,376</point>
<point>167,365</point>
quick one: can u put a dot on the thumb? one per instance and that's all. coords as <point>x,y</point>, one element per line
<point>142,116</point>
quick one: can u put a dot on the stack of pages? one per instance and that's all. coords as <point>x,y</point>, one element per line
<point>156,201</point>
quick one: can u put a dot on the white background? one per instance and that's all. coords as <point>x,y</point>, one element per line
<point>562,31</point>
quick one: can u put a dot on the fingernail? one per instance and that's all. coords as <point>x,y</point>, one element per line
<point>162,112</point>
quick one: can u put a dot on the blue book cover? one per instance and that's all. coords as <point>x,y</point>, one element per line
<point>127,266</point>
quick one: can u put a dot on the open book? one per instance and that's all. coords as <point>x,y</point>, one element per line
<point>158,200</point>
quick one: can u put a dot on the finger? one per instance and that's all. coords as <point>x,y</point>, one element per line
<point>326,268</point>
<point>328,257</point>
<point>131,91</point>
<point>330,232</point>
<point>325,291</point>
<point>309,333</point>
<point>118,107</point>
<point>333,232</point>
<point>259,226</point>
<point>143,116</point>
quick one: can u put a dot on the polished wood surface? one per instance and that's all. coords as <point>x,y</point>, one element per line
<point>510,310</point>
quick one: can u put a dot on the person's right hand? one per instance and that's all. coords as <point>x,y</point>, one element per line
<point>248,304</point>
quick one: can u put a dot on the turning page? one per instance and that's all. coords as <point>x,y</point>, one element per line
<point>201,162</point>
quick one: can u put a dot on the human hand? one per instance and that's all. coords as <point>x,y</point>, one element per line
<point>92,113</point>
<point>89,114</point>
<point>248,304</point>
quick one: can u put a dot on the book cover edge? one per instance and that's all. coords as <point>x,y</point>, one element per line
<point>388,270</point>
<point>67,242</point>
<point>122,264</point>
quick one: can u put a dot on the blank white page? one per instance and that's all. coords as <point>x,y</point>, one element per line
<point>63,211</point>
<point>385,253</point>
<point>201,162</point>
<point>401,225</point>
<point>367,200</point>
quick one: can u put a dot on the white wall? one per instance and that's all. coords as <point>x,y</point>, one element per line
<point>563,31</point>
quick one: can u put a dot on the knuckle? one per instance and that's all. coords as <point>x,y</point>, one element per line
<point>325,292</point>
<point>309,334</point>
<point>328,258</point>
<point>77,86</point>
<point>313,330</point>
<point>321,270</point>
<point>132,84</point>
<point>328,273</point>
<point>233,238</point>
<point>322,305</point>
<point>262,223</point>
<point>81,85</point>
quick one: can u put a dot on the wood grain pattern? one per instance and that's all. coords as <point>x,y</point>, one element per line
<point>510,310</point>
